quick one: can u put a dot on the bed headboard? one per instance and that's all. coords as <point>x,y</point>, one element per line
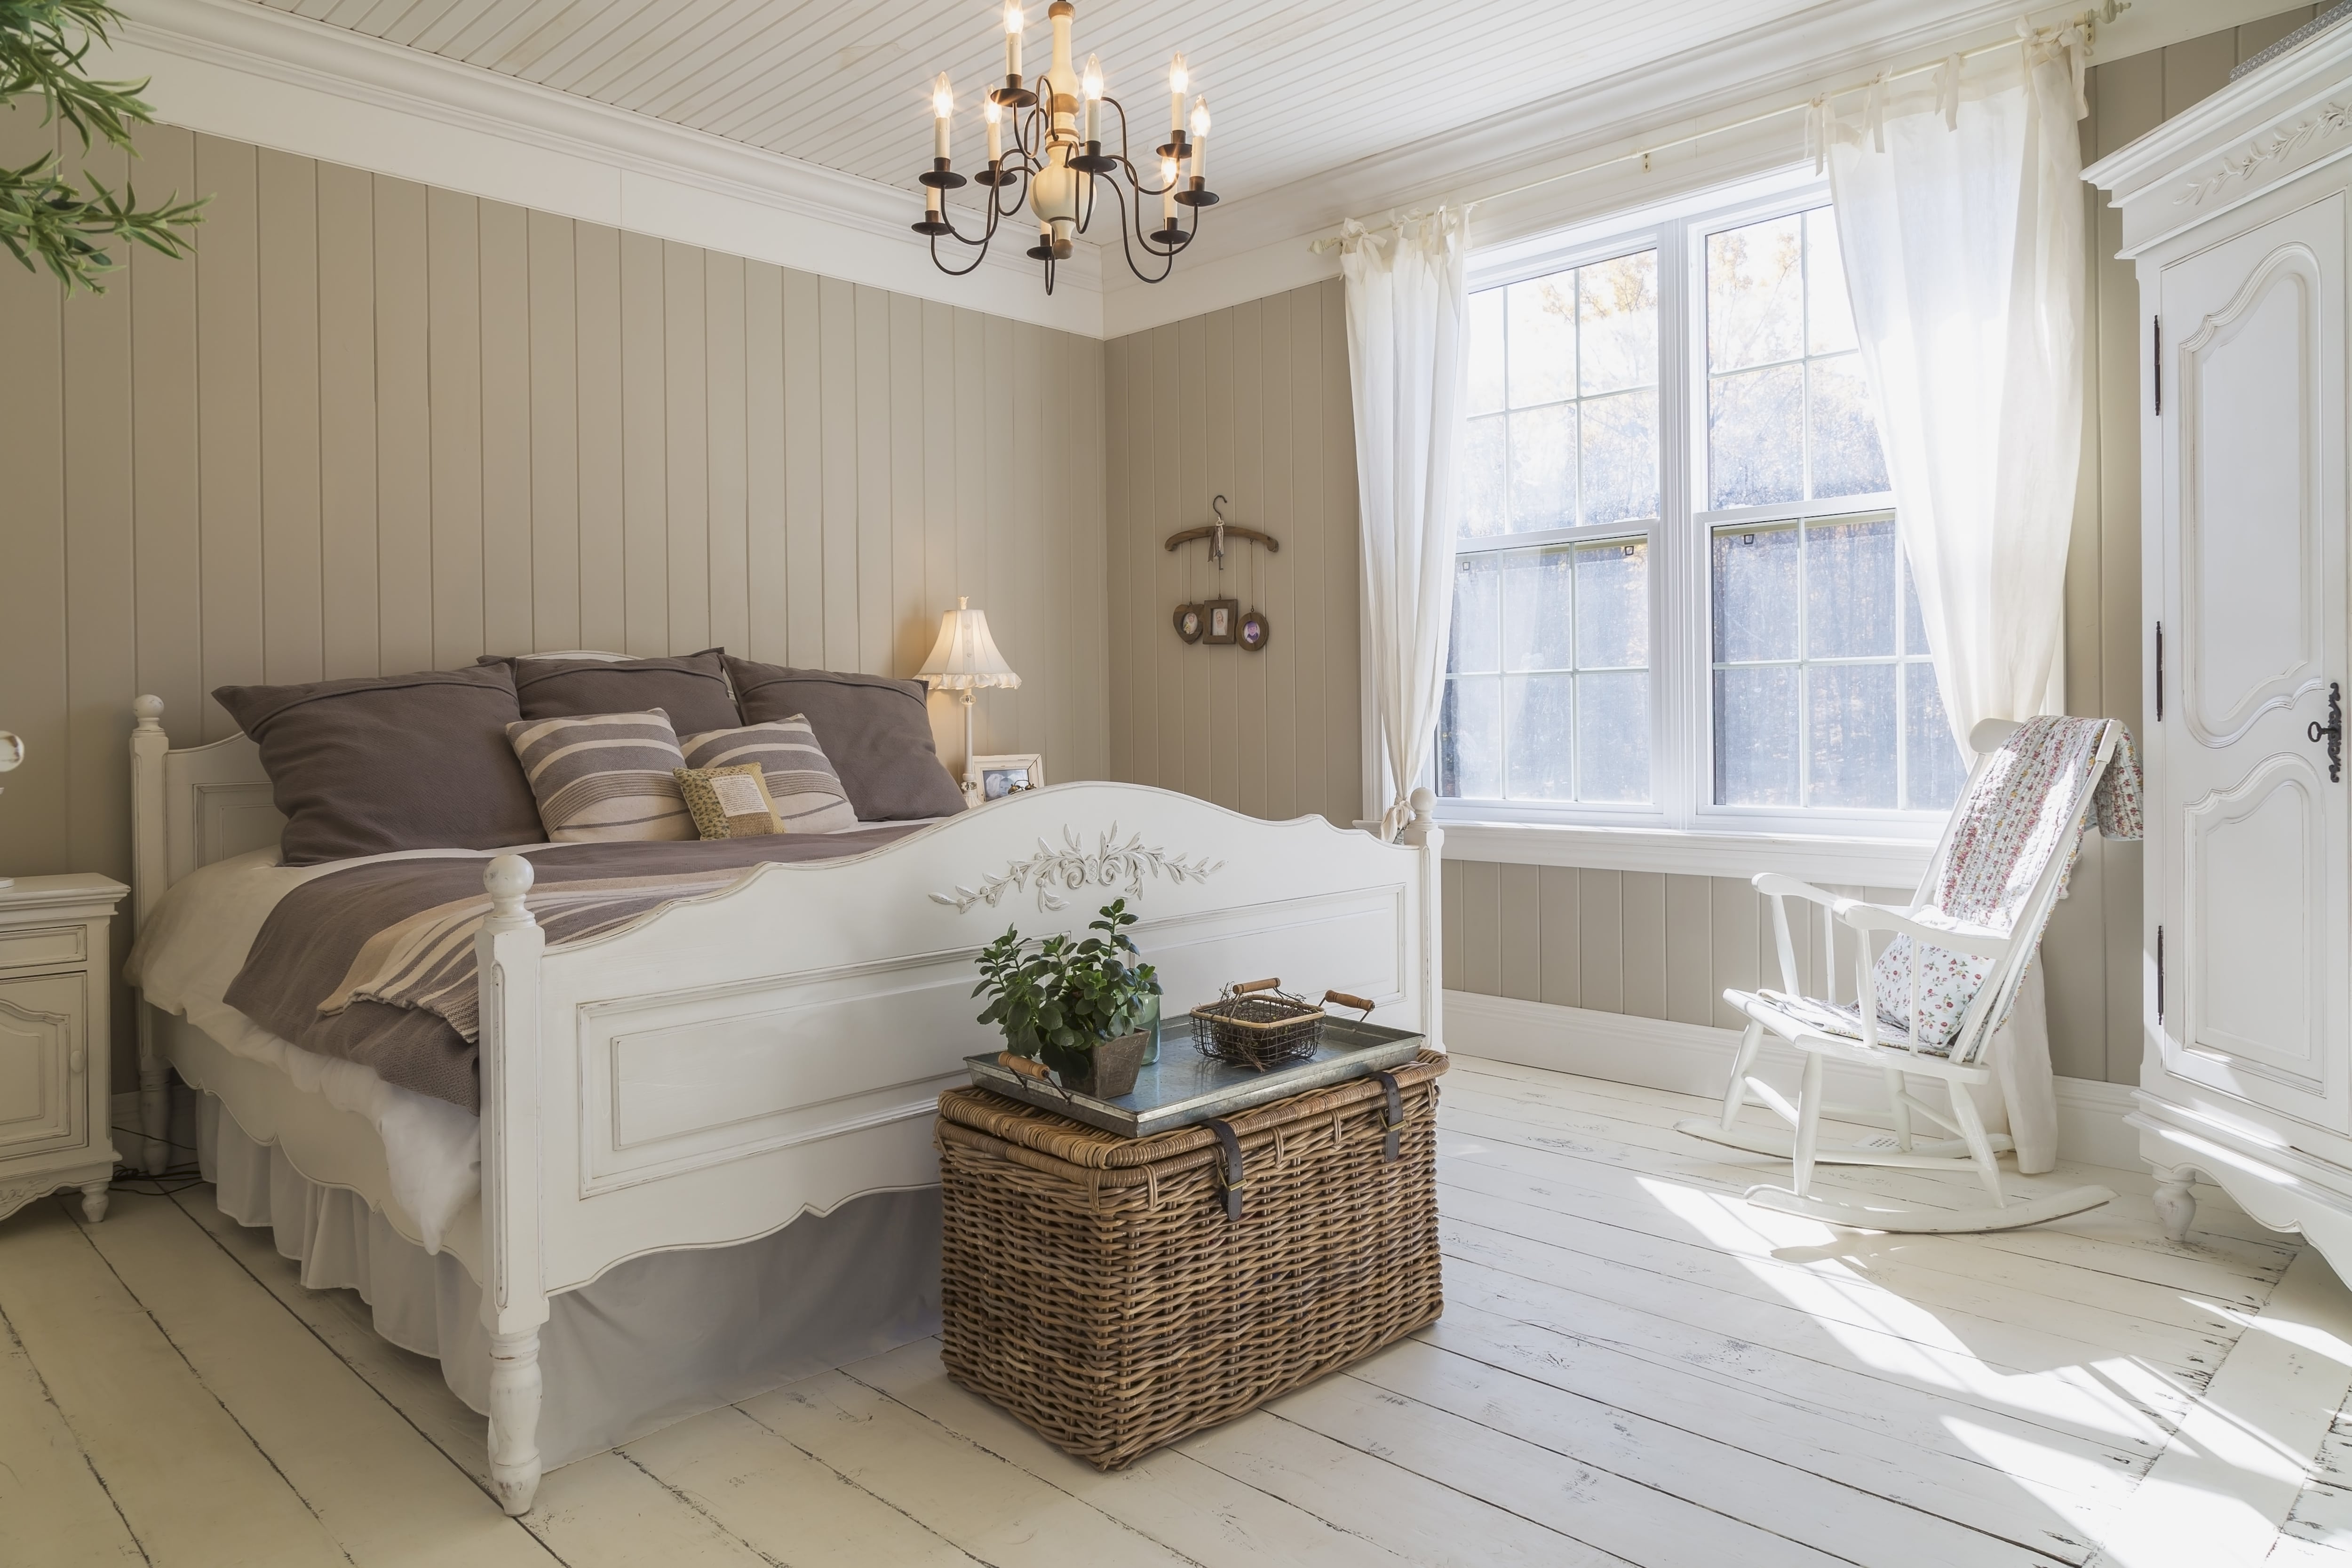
<point>192,807</point>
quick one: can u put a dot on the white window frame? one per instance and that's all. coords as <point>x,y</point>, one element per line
<point>1681,642</point>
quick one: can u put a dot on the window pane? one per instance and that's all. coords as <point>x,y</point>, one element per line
<point>1613,607</point>
<point>1846,456</point>
<point>1477,615</point>
<point>1612,736</point>
<point>1543,467</point>
<point>1542,327</point>
<point>1755,294</point>
<point>1849,589</point>
<point>1470,739</point>
<point>1756,736</point>
<point>1621,456</point>
<point>1755,573</point>
<point>1536,720</point>
<point>1483,461</point>
<point>1537,624</point>
<point>1617,306</point>
<point>1850,730</point>
<point>1915,630</point>
<point>1487,352</point>
<point>1829,317</point>
<point>1936,771</point>
<point>1756,437</point>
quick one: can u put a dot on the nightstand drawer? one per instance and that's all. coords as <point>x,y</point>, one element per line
<point>42,947</point>
<point>44,1061</point>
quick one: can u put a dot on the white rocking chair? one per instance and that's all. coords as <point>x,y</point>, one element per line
<point>1989,891</point>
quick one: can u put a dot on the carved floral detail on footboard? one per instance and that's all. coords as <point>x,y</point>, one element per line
<point>1110,864</point>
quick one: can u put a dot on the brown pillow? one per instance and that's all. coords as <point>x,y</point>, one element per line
<point>875,732</point>
<point>386,762</point>
<point>691,688</point>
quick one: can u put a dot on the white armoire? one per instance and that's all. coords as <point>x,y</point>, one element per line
<point>2235,214</point>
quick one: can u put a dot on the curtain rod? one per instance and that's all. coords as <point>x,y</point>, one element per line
<point>2087,20</point>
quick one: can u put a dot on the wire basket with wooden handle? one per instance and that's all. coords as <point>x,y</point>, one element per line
<point>1258,1024</point>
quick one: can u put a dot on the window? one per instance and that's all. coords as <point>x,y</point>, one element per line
<point>1681,593</point>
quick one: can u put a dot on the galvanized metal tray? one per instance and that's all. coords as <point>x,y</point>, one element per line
<point>1184,1086</point>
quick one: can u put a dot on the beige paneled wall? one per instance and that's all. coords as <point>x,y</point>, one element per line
<point>374,427</point>
<point>1647,944</point>
<point>1252,403</point>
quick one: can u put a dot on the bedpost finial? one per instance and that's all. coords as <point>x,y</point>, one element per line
<point>1416,832</point>
<point>507,879</point>
<point>150,711</point>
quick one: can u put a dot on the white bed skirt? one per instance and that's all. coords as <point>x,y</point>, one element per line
<point>655,1340</point>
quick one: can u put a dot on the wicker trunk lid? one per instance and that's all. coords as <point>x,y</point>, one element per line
<point>1096,1287</point>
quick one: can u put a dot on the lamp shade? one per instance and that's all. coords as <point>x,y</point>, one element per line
<point>965,656</point>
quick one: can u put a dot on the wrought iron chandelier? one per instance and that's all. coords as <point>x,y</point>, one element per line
<point>1057,159</point>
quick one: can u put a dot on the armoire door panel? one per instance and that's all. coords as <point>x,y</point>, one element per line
<point>2250,411</point>
<point>2251,867</point>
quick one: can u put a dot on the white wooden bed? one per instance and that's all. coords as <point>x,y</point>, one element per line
<point>734,1062</point>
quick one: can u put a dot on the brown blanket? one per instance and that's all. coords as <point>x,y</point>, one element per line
<point>375,965</point>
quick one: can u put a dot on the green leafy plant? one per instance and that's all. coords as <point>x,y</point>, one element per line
<point>1057,998</point>
<point>44,219</point>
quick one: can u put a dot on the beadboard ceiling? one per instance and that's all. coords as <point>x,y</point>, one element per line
<point>1296,88</point>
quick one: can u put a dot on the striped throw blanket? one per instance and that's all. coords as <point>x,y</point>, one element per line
<point>375,964</point>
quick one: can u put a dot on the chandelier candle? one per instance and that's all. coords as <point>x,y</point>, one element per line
<point>1062,157</point>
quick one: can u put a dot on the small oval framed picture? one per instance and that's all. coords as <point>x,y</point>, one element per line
<point>1254,631</point>
<point>1189,623</point>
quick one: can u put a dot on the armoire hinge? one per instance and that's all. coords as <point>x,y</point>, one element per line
<point>2160,974</point>
<point>2156,357</point>
<point>2159,672</point>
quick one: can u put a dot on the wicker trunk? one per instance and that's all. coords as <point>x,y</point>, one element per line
<point>1096,1287</point>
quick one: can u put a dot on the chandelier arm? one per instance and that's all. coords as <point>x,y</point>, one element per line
<point>1126,244</point>
<point>958,271</point>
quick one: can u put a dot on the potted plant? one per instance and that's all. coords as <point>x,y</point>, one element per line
<point>1083,1008</point>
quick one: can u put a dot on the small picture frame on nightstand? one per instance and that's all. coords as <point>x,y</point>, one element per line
<point>993,778</point>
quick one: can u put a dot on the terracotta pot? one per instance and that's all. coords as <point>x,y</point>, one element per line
<point>1111,1067</point>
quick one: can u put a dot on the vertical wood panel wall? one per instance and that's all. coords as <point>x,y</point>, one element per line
<point>1250,403</point>
<point>373,427</point>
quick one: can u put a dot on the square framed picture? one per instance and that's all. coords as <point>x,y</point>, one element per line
<point>993,778</point>
<point>1222,620</point>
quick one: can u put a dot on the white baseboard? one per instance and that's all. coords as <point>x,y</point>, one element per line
<point>1695,1058</point>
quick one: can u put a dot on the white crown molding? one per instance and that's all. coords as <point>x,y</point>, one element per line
<point>1712,92</point>
<point>252,73</point>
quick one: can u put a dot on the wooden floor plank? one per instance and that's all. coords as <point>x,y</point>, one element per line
<point>1651,1480</point>
<point>193,1486</point>
<point>1168,1495</point>
<point>993,1510</point>
<point>384,1493</point>
<point>53,1509</point>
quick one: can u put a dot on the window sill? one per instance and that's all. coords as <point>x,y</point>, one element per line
<point>1853,862</point>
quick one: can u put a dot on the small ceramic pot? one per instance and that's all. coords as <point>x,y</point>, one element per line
<point>1111,1067</point>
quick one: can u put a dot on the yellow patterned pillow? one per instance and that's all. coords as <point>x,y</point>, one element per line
<point>728,802</point>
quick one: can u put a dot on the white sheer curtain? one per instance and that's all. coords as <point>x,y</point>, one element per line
<point>1408,343</point>
<point>1959,214</point>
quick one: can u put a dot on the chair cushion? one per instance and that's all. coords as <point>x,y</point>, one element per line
<point>876,731</point>
<point>803,790</point>
<point>691,688</point>
<point>604,777</point>
<point>381,763</point>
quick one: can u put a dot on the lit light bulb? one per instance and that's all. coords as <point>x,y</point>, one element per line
<point>1200,117</point>
<point>1178,79</point>
<point>1091,84</point>
<point>942,108</point>
<point>1200,140</point>
<point>993,113</point>
<point>1012,38</point>
<point>1168,193</point>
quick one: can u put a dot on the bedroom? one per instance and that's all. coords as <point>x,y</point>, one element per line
<point>512,328</point>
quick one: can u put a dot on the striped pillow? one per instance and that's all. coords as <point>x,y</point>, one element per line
<point>802,783</point>
<point>604,777</point>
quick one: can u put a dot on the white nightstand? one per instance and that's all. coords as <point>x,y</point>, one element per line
<point>53,1041</point>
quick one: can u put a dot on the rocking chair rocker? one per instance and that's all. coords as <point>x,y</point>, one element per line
<point>1953,968</point>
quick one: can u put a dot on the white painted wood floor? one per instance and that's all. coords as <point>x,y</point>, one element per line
<point>1632,1367</point>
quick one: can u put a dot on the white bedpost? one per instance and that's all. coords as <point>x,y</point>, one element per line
<point>149,877</point>
<point>1424,834</point>
<point>514,1298</point>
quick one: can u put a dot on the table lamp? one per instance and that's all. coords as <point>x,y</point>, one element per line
<point>12,751</point>
<point>965,659</point>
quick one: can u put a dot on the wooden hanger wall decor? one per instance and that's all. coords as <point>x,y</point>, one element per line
<point>1222,620</point>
